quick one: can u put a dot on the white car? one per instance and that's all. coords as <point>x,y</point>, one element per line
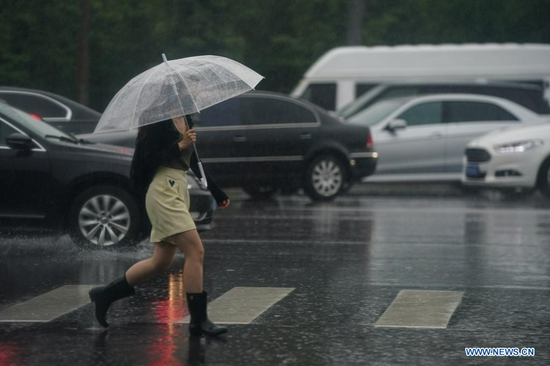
<point>510,159</point>
<point>423,138</point>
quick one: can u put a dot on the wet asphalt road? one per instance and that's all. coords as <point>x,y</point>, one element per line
<point>346,262</point>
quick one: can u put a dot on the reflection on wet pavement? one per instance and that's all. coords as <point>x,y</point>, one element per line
<point>347,261</point>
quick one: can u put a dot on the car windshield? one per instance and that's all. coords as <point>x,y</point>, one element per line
<point>39,127</point>
<point>377,112</point>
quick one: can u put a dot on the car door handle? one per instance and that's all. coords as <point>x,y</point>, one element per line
<point>239,139</point>
<point>305,136</point>
<point>436,135</point>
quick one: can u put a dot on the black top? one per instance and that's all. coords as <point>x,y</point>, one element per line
<point>160,147</point>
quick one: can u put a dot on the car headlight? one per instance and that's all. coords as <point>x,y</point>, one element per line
<point>517,147</point>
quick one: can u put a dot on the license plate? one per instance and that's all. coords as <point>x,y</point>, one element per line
<point>472,171</point>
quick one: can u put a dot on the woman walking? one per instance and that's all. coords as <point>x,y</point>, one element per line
<point>164,152</point>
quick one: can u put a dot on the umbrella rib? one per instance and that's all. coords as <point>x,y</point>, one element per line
<point>139,94</point>
<point>225,79</point>
<point>212,69</point>
<point>237,77</point>
<point>200,72</point>
<point>232,72</point>
<point>177,94</point>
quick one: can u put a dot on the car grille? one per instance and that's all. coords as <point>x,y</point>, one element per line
<point>477,155</point>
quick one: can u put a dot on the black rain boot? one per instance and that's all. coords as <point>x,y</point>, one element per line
<point>104,296</point>
<point>199,323</point>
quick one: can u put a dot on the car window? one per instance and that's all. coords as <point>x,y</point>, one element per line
<point>476,111</point>
<point>377,112</point>
<point>423,114</point>
<point>5,131</point>
<point>324,95</point>
<point>530,97</point>
<point>24,119</point>
<point>34,104</point>
<point>271,111</point>
<point>227,113</point>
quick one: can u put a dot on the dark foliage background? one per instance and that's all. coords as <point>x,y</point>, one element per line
<point>278,38</point>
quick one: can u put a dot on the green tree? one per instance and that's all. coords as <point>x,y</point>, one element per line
<point>37,45</point>
<point>278,38</point>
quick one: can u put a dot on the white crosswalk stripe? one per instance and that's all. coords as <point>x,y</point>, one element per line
<point>48,306</point>
<point>241,305</point>
<point>421,309</point>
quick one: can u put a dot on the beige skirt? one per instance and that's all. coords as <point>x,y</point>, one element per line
<point>167,203</point>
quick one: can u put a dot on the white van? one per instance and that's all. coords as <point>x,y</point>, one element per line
<point>345,73</point>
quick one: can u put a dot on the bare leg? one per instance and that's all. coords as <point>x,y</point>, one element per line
<point>191,245</point>
<point>161,260</point>
<point>104,296</point>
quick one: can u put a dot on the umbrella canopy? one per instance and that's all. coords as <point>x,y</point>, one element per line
<point>175,88</point>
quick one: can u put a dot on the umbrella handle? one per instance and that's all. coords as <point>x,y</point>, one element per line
<point>203,178</point>
<point>204,182</point>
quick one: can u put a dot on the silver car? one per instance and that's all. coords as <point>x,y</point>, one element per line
<point>423,138</point>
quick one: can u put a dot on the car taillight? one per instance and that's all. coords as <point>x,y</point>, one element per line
<point>36,117</point>
<point>369,141</point>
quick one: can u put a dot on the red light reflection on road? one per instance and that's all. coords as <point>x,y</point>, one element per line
<point>165,348</point>
<point>8,354</point>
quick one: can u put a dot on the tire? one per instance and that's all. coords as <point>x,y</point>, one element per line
<point>325,178</point>
<point>543,179</point>
<point>346,187</point>
<point>260,192</point>
<point>104,217</point>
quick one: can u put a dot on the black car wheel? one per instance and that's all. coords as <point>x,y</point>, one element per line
<point>104,217</point>
<point>325,178</point>
<point>543,181</point>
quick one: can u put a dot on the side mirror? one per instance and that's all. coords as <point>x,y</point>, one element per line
<point>18,141</point>
<point>396,124</point>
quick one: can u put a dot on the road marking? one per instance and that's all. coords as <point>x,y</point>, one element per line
<point>447,285</point>
<point>331,241</point>
<point>48,306</point>
<point>542,211</point>
<point>241,305</point>
<point>421,309</point>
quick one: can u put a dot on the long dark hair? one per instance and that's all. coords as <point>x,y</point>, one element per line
<point>142,132</point>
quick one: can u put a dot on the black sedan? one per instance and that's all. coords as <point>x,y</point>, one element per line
<point>264,141</point>
<point>56,110</point>
<point>51,179</point>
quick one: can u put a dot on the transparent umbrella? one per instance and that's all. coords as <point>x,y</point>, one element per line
<point>176,88</point>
